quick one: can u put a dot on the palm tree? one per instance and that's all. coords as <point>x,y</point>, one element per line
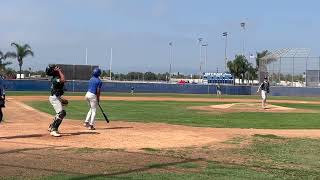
<point>3,57</point>
<point>262,60</point>
<point>259,57</point>
<point>21,52</point>
<point>239,67</point>
<point>252,73</point>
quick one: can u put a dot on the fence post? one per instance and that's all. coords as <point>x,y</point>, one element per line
<point>73,85</point>
<point>280,71</point>
<point>292,71</point>
<point>272,72</point>
<point>306,70</point>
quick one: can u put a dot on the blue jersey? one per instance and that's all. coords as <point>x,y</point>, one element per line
<point>94,84</point>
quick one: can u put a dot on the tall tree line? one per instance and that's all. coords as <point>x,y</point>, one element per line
<point>242,69</point>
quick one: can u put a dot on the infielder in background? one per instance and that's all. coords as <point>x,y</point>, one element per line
<point>93,98</point>
<point>2,97</point>
<point>56,99</point>
<point>218,88</point>
<point>265,89</point>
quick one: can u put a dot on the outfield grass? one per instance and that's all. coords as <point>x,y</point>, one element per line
<point>178,113</point>
<point>268,157</point>
<point>46,93</point>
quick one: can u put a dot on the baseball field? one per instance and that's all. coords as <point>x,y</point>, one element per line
<point>162,136</point>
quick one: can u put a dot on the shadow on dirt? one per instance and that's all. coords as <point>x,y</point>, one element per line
<point>111,128</point>
<point>23,136</point>
<point>46,134</point>
<point>78,133</point>
<point>137,170</point>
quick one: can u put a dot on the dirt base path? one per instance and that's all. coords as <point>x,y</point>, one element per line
<point>28,151</point>
<point>26,127</point>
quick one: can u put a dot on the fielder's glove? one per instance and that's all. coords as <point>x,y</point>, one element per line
<point>64,102</point>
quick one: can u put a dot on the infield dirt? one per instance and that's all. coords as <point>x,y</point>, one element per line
<point>26,146</point>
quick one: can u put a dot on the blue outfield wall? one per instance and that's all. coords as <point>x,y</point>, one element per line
<point>27,85</point>
<point>81,86</point>
<point>173,88</point>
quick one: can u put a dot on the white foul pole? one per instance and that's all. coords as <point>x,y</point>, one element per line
<point>111,63</point>
<point>86,56</point>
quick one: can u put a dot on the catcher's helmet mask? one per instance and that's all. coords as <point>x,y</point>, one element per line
<point>50,70</point>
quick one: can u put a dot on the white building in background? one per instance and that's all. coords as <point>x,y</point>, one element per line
<point>20,75</point>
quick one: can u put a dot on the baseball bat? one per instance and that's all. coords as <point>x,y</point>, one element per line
<point>104,114</point>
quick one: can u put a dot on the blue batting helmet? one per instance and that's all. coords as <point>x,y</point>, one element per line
<point>96,72</point>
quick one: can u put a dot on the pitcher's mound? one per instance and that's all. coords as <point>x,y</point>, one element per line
<point>248,107</point>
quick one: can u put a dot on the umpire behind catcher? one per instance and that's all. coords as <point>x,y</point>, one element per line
<point>56,99</point>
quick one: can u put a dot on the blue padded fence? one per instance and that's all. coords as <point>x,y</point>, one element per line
<point>27,85</point>
<point>81,86</point>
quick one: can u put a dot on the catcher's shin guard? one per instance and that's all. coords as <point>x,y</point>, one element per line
<point>58,120</point>
<point>55,125</point>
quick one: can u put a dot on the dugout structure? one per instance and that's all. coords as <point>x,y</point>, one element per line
<point>77,72</point>
<point>290,67</point>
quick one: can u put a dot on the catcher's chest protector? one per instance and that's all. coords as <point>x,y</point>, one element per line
<point>57,87</point>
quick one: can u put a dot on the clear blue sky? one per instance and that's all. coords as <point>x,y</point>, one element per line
<point>139,30</point>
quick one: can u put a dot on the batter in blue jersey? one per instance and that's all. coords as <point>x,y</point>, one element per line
<point>93,98</point>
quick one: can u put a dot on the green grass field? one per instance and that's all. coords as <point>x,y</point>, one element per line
<point>256,157</point>
<point>268,157</point>
<point>178,113</point>
<point>42,93</point>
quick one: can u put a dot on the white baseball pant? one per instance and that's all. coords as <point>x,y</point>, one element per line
<point>56,103</point>
<point>264,98</point>
<point>263,95</point>
<point>93,103</point>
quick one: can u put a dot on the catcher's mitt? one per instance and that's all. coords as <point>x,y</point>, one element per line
<point>64,102</point>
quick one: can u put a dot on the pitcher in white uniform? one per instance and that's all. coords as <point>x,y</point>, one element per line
<point>93,98</point>
<point>265,89</point>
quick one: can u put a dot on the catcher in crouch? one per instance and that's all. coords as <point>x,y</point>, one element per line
<point>56,99</point>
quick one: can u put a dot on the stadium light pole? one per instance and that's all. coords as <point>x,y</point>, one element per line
<point>225,34</point>
<point>206,56</point>
<point>243,26</point>
<point>170,59</point>
<point>205,45</point>
<point>86,56</point>
<point>111,58</point>
<point>200,45</point>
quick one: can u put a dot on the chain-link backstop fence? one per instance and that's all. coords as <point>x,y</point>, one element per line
<point>290,67</point>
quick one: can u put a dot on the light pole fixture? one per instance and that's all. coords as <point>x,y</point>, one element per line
<point>170,58</point>
<point>225,34</point>
<point>200,45</point>
<point>243,26</point>
<point>206,56</point>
